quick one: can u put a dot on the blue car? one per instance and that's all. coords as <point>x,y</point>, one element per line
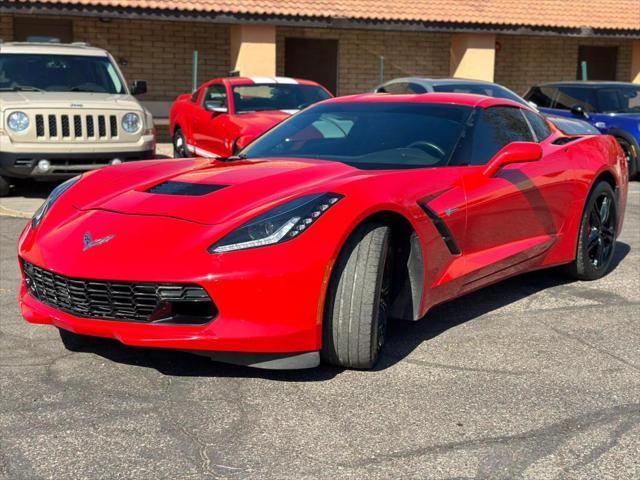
<point>611,107</point>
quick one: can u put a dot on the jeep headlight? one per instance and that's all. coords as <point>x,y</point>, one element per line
<point>18,122</point>
<point>131,122</point>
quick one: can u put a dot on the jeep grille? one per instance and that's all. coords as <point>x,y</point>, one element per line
<point>83,127</point>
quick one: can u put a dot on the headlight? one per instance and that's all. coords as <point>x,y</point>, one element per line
<point>279,224</point>
<point>18,122</point>
<point>131,122</point>
<point>55,195</point>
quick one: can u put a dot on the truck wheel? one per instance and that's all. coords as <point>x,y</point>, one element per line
<point>180,149</point>
<point>4,187</point>
<point>357,304</point>
<point>597,235</point>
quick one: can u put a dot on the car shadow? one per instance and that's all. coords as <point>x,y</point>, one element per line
<point>404,337</point>
<point>33,189</point>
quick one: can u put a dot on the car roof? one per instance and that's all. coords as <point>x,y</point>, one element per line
<point>586,83</point>
<point>439,81</point>
<point>468,99</point>
<point>264,81</point>
<point>52,48</point>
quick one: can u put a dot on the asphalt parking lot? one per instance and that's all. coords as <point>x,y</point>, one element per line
<point>532,378</point>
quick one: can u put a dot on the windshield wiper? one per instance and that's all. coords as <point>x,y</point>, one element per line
<point>239,156</point>
<point>22,88</point>
<point>80,89</point>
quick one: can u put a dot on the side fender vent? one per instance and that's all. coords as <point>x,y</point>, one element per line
<point>443,230</point>
<point>564,140</point>
<point>183,188</point>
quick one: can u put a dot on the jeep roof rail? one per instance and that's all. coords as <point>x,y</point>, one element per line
<point>81,44</point>
<point>42,39</point>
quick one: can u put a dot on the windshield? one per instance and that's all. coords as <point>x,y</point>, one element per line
<point>59,73</point>
<point>277,96</point>
<point>381,135</point>
<point>480,89</point>
<point>619,99</point>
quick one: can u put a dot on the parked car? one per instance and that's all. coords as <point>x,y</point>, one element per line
<point>612,107</point>
<point>417,85</point>
<point>225,114</point>
<point>66,109</point>
<point>303,246</point>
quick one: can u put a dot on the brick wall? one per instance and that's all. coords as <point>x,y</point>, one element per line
<point>359,51</point>
<point>156,51</point>
<point>526,60</point>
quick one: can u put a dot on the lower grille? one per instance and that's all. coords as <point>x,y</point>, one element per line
<point>123,301</point>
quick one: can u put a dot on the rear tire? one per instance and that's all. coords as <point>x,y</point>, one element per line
<point>5,187</point>
<point>597,234</point>
<point>357,304</point>
<point>180,149</point>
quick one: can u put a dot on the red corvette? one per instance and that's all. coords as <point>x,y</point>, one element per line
<point>225,114</point>
<point>353,212</point>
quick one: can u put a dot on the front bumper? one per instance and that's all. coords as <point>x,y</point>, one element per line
<point>269,300</point>
<point>63,165</point>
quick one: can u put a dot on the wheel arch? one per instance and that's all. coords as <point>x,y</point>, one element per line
<point>409,264</point>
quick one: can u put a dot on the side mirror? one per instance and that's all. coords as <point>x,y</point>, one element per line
<point>139,87</point>
<point>215,106</point>
<point>578,111</point>
<point>515,152</point>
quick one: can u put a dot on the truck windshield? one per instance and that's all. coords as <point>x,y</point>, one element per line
<point>277,96</point>
<point>368,136</point>
<point>59,73</point>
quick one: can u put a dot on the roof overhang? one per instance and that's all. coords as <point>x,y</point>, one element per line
<point>108,12</point>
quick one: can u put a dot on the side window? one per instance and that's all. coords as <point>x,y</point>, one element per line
<point>403,88</point>
<point>496,128</point>
<point>216,93</point>
<point>538,124</point>
<point>195,95</point>
<point>571,96</point>
<point>541,96</point>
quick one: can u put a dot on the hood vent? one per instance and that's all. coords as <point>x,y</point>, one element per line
<point>183,188</point>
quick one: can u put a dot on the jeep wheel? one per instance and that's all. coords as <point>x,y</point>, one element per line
<point>4,187</point>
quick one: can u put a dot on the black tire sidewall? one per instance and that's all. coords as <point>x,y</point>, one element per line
<point>584,269</point>
<point>5,187</point>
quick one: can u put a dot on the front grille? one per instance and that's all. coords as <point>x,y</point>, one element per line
<point>124,301</point>
<point>77,127</point>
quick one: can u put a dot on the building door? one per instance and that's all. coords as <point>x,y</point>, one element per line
<point>34,27</point>
<point>601,62</point>
<point>312,59</point>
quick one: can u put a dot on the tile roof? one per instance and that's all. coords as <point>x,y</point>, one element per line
<point>597,14</point>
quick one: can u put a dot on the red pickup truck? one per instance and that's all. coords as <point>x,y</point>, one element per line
<point>223,115</point>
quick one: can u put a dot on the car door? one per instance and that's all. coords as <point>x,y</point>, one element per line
<point>508,215</point>
<point>210,133</point>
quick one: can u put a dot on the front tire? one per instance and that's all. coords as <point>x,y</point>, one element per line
<point>5,187</point>
<point>180,149</point>
<point>597,234</point>
<point>357,305</point>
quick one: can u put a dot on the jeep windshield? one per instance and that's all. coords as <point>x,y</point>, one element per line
<point>59,73</point>
<point>368,135</point>
<point>276,96</point>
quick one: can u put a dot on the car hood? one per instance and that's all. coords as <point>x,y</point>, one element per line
<point>231,189</point>
<point>52,100</point>
<point>262,121</point>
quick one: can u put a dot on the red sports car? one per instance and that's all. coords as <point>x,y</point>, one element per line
<point>353,212</point>
<point>224,115</point>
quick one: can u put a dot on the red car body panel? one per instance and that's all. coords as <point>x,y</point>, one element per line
<point>220,135</point>
<point>271,299</point>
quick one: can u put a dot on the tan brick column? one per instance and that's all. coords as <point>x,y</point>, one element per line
<point>473,56</point>
<point>253,49</point>
<point>635,61</point>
